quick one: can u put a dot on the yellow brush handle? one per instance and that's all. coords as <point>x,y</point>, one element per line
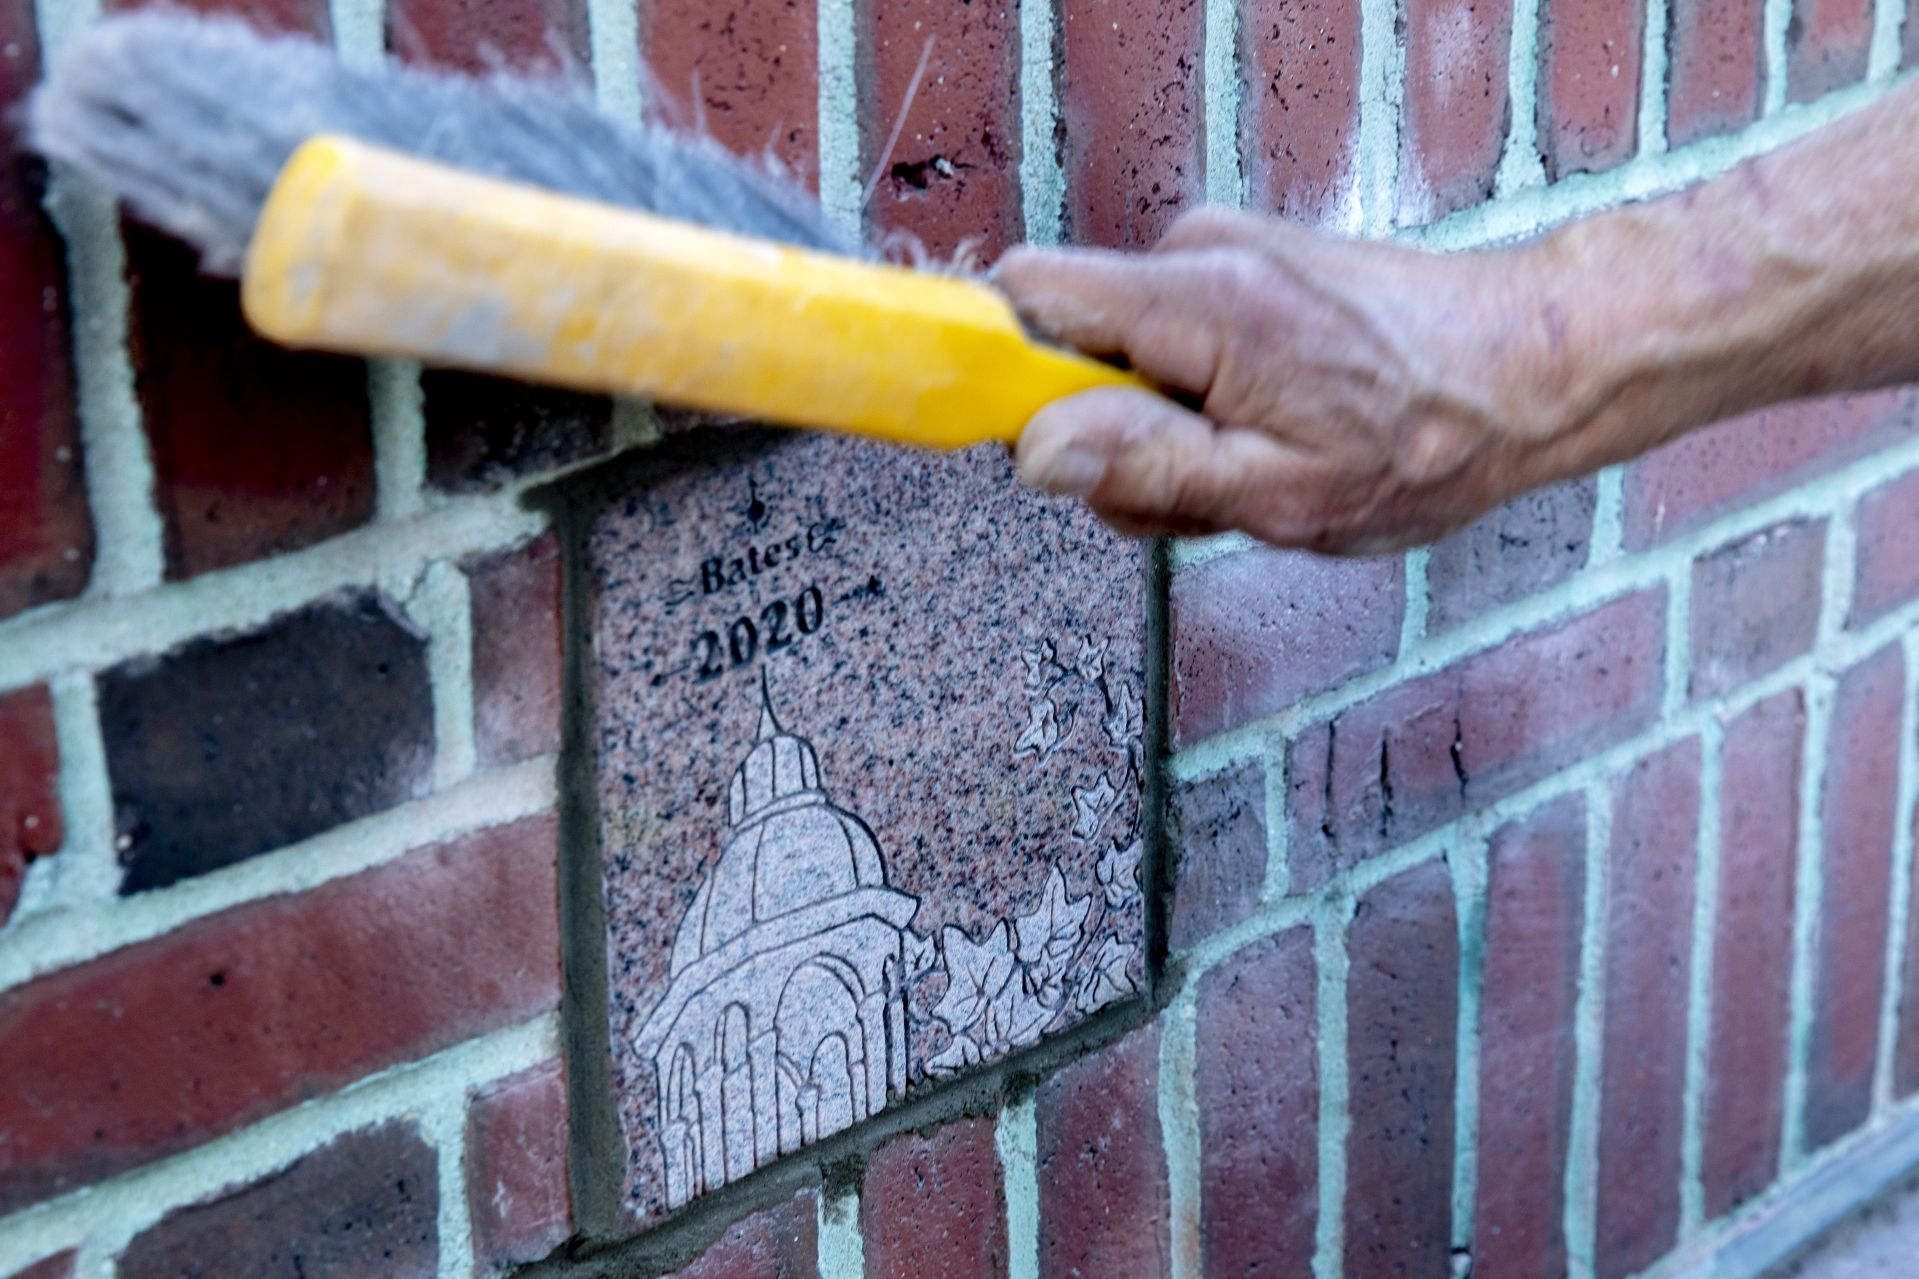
<point>369,251</point>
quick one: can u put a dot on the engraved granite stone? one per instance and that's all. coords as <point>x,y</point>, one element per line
<point>868,736</point>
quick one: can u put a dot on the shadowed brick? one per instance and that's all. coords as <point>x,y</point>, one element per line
<point>1402,1017</point>
<point>31,822</point>
<point>1655,843</point>
<point>516,652</point>
<point>1717,71</point>
<point>1421,754</point>
<point>540,37</point>
<point>1886,572</point>
<point>1259,630</point>
<point>228,747</point>
<point>1299,120</point>
<point>161,1045</point>
<point>778,1243</point>
<point>1588,114</point>
<point>1258,1086</point>
<point>1219,834</point>
<point>58,1266</point>
<point>363,1204</point>
<point>1858,814</point>
<point>517,1195</point>
<point>1456,111</point>
<point>933,1206</point>
<point>1130,108</point>
<point>1101,1165</point>
<point>1534,914</point>
<point>743,71</point>
<point>1529,544</point>
<point>1752,950</point>
<point>483,432</point>
<point>1755,605</point>
<point>1827,45</point>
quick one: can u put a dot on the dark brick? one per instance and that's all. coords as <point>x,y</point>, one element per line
<point>1524,547</point>
<point>538,37</point>
<point>1642,1089</point>
<point>1453,123</point>
<point>1827,45</point>
<point>1258,1061</point>
<point>1421,754</point>
<point>1103,1198</point>
<point>1718,75</point>
<point>1535,911</point>
<point>1752,951</point>
<point>31,821</point>
<point>1256,631</point>
<point>517,638</point>
<point>161,1045</point>
<point>1858,814</point>
<point>1219,834</point>
<point>1905,1064</point>
<point>1299,121</point>
<point>228,747</point>
<point>952,178</point>
<point>1886,572</point>
<point>46,537</point>
<point>933,1206</point>
<point>1588,114</point>
<point>1402,1019</point>
<point>743,71</point>
<point>1755,605</point>
<point>58,1266</point>
<point>483,432</point>
<point>1710,472</point>
<point>1130,108</point>
<point>517,1194</point>
<point>363,1204</point>
<point>778,1243</point>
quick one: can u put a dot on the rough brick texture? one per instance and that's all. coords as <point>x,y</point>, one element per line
<point>1257,631</point>
<point>1402,991</point>
<point>778,1243</point>
<point>1858,810</point>
<point>1827,43</point>
<point>1589,83</point>
<point>517,1192</point>
<point>363,1204</point>
<point>1717,69</point>
<point>933,1206</point>
<point>31,822</point>
<point>518,633</point>
<point>1886,571</point>
<point>1755,605</point>
<point>1219,838</point>
<point>1536,871</point>
<point>542,37</point>
<point>744,71</point>
<point>1102,1166</point>
<point>228,747</point>
<point>1456,109</point>
<point>1752,950</point>
<point>160,1045</point>
<point>1258,1087</point>
<point>1131,109</point>
<point>1422,753</point>
<point>1524,547</point>
<point>1299,121</point>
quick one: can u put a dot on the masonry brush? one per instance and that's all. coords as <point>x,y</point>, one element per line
<point>510,227</point>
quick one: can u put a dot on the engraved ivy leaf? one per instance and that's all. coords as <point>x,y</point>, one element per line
<point>921,955</point>
<point>1118,874</point>
<point>956,1056</point>
<point>976,972</point>
<point>1091,662</point>
<point>1015,1018</point>
<point>1040,664</point>
<point>1041,734</point>
<point>1090,805</point>
<point>1110,979</point>
<point>1049,934</point>
<point>1126,723</point>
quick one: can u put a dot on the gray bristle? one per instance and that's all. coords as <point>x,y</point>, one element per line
<point>189,119</point>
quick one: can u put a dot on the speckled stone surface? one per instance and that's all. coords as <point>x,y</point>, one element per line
<point>868,734</point>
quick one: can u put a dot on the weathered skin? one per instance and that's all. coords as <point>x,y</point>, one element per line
<point>1354,397</point>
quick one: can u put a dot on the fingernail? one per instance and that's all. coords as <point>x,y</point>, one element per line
<point>1074,471</point>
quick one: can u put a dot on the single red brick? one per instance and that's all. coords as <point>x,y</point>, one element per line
<point>1589,83</point>
<point>1423,753</point>
<point>781,1242</point>
<point>1858,813</point>
<point>1130,108</point>
<point>1905,1065</point>
<point>1257,631</point>
<point>1299,121</point>
<point>31,822</point>
<point>517,643</point>
<point>1534,915</point>
<point>1827,46</point>
<point>1642,1090</point>
<point>1722,467</point>
<point>161,1045</point>
<point>1402,1020</point>
<point>1755,605</point>
<point>933,1206</point>
<point>1219,834</point>
<point>1718,71</point>
<point>952,178</point>
<point>1524,547</point>
<point>1752,950</point>
<point>1103,1198</point>
<point>484,431</point>
<point>745,73</point>
<point>363,1204</point>
<point>58,1266</point>
<point>299,17</point>
<point>1258,1087</point>
<point>481,36</point>
<point>1453,123</point>
<point>1886,571</point>
<point>517,1195</point>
